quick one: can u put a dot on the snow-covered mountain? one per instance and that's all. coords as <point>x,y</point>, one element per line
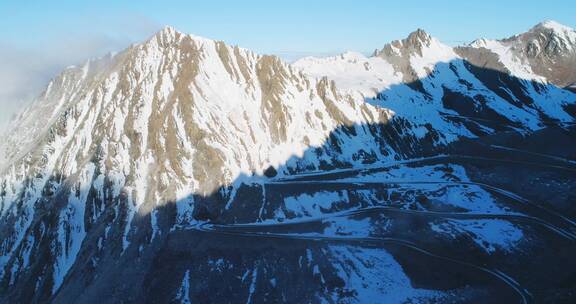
<point>546,51</point>
<point>174,116</point>
<point>419,75</point>
<point>110,177</point>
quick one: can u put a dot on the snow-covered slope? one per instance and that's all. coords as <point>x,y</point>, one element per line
<point>174,116</point>
<point>352,71</point>
<point>546,52</point>
<point>418,77</point>
<point>119,153</point>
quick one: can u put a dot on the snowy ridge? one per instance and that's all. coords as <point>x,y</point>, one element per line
<point>515,64</point>
<point>352,71</point>
<point>163,119</point>
<point>437,67</point>
<point>544,53</point>
<point>564,33</point>
<point>120,152</point>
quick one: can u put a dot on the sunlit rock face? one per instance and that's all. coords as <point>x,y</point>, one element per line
<point>185,170</point>
<point>547,51</point>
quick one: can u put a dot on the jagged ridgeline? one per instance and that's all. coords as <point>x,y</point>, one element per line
<point>183,169</point>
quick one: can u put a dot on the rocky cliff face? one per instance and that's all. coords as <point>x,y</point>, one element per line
<point>546,52</point>
<point>108,180</point>
<point>174,116</point>
<point>491,80</point>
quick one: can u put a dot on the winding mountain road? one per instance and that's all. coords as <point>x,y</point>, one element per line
<point>523,294</point>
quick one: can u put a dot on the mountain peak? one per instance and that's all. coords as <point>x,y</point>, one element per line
<point>419,37</point>
<point>415,43</point>
<point>169,34</point>
<point>167,150</point>
<point>554,26</point>
<point>167,31</point>
<point>551,37</point>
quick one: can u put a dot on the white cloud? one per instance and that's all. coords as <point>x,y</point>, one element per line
<point>26,70</point>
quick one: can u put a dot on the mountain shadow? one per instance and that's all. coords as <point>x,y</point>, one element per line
<point>193,250</point>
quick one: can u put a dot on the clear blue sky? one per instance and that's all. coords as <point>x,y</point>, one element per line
<point>273,26</point>
<point>39,38</point>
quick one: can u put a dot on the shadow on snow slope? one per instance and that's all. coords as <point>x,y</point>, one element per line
<point>170,258</point>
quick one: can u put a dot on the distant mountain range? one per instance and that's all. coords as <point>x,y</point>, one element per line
<point>186,170</point>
